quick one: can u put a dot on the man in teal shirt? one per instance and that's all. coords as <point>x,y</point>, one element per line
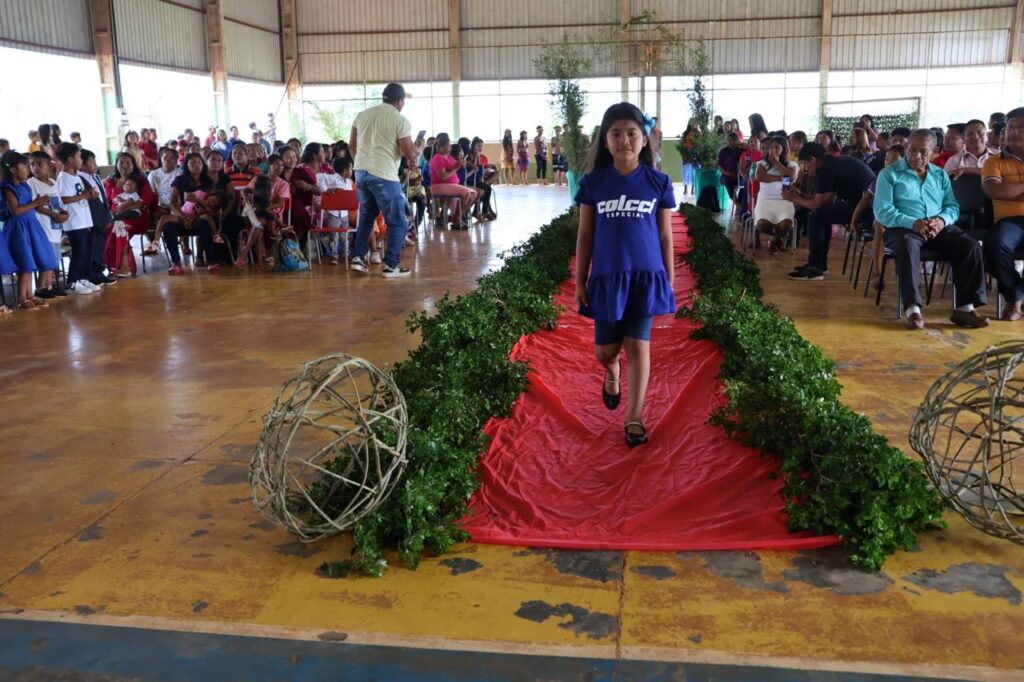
<point>914,201</point>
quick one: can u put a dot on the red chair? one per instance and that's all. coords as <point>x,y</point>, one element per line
<point>334,200</point>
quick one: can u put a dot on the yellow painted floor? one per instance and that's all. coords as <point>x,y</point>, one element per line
<point>127,420</point>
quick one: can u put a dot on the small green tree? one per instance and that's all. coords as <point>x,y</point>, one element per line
<point>564,65</point>
<point>336,123</point>
<point>701,147</point>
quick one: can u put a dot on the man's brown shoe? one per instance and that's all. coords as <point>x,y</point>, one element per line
<point>968,319</point>
<point>914,321</point>
<point>1013,312</point>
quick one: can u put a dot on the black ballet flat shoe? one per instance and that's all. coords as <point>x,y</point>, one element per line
<point>634,439</point>
<point>611,400</point>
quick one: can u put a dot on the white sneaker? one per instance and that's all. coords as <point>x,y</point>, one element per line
<point>375,258</point>
<point>76,289</point>
<point>358,264</point>
<point>88,286</point>
<point>391,272</point>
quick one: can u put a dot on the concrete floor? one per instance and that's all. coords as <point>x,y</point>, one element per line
<point>128,419</point>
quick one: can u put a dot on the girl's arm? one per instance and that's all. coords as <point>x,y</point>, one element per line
<point>862,205</point>
<point>18,209</point>
<point>176,204</point>
<point>665,237</point>
<point>762,175</point>
<point>584,252</point>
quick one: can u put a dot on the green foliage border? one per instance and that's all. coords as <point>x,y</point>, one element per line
<point>841,477</point>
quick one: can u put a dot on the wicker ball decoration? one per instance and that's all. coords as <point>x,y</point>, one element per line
<point>970,432</point>
<point>332,447</point>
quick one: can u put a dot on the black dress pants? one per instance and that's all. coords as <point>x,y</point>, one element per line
<point>954,245</point>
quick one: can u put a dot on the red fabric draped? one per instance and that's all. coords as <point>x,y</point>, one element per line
<point>559,474</point>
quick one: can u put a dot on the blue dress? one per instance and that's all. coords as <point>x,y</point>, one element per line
<point>627,273</point>
<point>23,235</point>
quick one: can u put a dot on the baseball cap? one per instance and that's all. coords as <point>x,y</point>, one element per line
<point>394,92</point>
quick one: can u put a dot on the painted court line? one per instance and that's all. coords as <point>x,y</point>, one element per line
<point>608,652</point>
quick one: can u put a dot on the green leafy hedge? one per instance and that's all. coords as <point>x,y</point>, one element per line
<point>457,379</point>
<point>840,475</point>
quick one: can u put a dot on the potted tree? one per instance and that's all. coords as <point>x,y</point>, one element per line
<point>701,144</point>
<point>564,65</point>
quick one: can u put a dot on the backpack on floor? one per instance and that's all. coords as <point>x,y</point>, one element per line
<point>292,258</point>
<point>709,199</point>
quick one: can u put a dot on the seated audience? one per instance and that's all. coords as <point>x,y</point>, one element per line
<point>840,182</point>
<point>188,213</point>
<point>133,200</point>
<point>973,152</point>
<point>729,163</point>
<point>914,201</point>
<point>773,215</point>
<point>1003,181</point>
<point>859,146</point>
<point>864,214</point>
<point>444,181</point>
<point>953,144</point>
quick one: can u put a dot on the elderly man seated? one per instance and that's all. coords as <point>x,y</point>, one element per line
<point>914,200</point>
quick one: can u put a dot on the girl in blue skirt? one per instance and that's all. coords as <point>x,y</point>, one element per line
<point>624,270</point>
<point>23,235</point>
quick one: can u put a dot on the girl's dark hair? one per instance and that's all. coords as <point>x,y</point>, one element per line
<point>278,144</point>
<point>204,177</point>
<point>66,151</point>
<point>44,134</point>
<point>8,162</point>
<point>475,142</point>
<point>55,133</point>
<point>126,136</point>
<point>782,140</point>
<point>39,155</point>
<point>757,125</point>
<point>800,135</point>
<point>464,143</point>
<point>311,150</point>
<point>342,163</point>
<point>898,148</point>
<point>441,140</point>
<point>599,156</point>
<point>428,153</point>
<point>87,155</point>
<point>506,140</point>
<point>261,192</point>
<point>273,158</point>
<point>293,139</point>
<point>136,174</point>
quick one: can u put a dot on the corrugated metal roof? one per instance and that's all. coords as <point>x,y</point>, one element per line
<point>919,51</point>
<point>46,25</point>
<point>503,53</point>
<point>158,33</point>
<point>262,13</point>
<point>901,24</point>
<point>892,7</point>
<point>717,10</point>
<point>543,13</point>
<point>252,53</point>
<point>330,16</point>
<point>374,57</point>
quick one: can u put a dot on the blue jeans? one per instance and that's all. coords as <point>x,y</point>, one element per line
<point>1003,240</point>
<point>379,196</point>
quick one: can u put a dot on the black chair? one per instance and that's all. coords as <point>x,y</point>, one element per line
<point>975,206</point>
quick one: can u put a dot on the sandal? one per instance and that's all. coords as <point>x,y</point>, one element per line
<point>611,400</point>
<point>28,305</point>
<point>39,302</point>
<point>632,438</point>
<point>151,250</point>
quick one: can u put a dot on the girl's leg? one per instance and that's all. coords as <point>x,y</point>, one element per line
<point>126,257</point>
<point>638,359</point>
<point>608,356</point>
<point>782,235</point>
<point>25,292</point>
<point>878,252</point>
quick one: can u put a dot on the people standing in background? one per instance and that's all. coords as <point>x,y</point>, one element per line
<point>26,242</point>
<point>33,142</point>
<point>271,131</point>
<point>508,159</point>
<point>131,147</point>
<point>51,216</point>
<point>540,154</point>
<point>559,164</point>
<point>654,138</point>
<point>46,141</point>
<point>150,152</point>
<point>221,144</point>
<point>523,157</point>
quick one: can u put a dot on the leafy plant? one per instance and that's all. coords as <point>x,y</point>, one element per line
<point>564,65</point>
<point>458,378</point>
<point>842,125</point>
<point>840,475</point>
<point>336,123</point>
<point>701,145</point>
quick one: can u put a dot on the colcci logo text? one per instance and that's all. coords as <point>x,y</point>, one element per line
<point>624,206</point>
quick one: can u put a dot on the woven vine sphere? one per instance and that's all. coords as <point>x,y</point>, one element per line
<point>970,432</point>
<point>332,448</point>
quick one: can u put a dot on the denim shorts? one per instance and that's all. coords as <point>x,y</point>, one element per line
<point>606,333</point>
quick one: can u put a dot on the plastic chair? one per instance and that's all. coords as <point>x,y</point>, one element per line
<point>338,200</point>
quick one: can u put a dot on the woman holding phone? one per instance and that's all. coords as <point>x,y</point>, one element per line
<point>773,215</point>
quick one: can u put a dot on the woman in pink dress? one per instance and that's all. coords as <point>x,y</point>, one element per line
<point>118,253</point>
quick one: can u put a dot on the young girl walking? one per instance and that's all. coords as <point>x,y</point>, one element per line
<point>23,235</point>
<point>523,157</point>
<point>624,269</point>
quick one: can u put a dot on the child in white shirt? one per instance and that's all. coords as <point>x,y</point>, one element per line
<point>51,216</point>
<point>75,196</point>
<point>129,193</point>
<point>160,180</point>
<point>329,183</point>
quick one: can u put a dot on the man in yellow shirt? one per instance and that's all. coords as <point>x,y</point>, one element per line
<point>1002,179</point>
<point>380,137</point>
